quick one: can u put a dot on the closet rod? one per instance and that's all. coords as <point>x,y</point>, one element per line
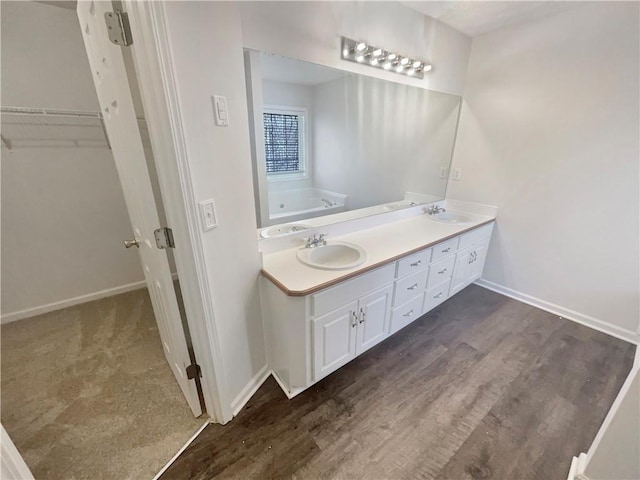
<point>52,112</point>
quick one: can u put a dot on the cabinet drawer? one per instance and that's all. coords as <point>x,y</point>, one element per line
<point>334,297</point>
<point>445,249</point>
<point>440,272</point>
<point>474,236</point>
<point>413,263</point>
<point>436,295</point>
<point>410,286</point>
<point>405,314</point>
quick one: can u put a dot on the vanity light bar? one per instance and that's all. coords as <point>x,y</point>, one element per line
<point>361,52</point>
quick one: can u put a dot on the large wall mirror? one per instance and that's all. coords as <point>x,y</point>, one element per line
<point>325,141</point>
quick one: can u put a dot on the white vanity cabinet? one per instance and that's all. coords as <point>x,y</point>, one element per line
<point>310,336</point>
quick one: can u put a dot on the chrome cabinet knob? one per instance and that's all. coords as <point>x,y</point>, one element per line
<point>131,243</point>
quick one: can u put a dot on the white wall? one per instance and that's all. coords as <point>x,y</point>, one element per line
<point>63,213</point>
<point>549,133</point>
<point>617,453</point>
<point>311,31</point>
<point>220,166</point>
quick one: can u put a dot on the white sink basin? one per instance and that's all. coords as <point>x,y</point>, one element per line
<point>333,256</point>
<point>278,230</point>
<point>399,205</point>
<point>450,217</point>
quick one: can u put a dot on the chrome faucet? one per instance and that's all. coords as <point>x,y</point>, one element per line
<point>434,209</point>
<point>327,203</point>
<point>316,241</point>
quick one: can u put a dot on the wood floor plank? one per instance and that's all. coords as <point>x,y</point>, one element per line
<point>483,387</point>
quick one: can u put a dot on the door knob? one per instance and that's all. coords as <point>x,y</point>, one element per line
<point>131,243</point>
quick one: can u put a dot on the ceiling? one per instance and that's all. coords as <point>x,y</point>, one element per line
<point>478,17</point>
<point>288,70</point>
<point>69,4</point>
<point>471,17</point>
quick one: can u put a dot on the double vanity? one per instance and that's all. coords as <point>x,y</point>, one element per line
<point>328,297</point>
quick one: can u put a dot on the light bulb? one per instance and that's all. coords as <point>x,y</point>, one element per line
<point>361,46</point>
<point>411,72</point>
<point>360,58</point>
<point>345,52</point>
<point>377,52</point>
<point>426,68</point>
<point>374,62</point>
<point>404,61</point>
<point>387,65</point>
<point>399,68</point>
<point>392,56</point>
<point>417,64</point>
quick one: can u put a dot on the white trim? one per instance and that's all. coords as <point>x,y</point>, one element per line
<point>282,385</point>
<point>70,302</point>
<point>13,466</point>
<point>601,326</point>
<point>578,465</point>
<point>179,452</point>
<point>250,388</point>
<point>154,64</point>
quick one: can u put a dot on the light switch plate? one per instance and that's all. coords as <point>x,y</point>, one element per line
<point>208,215</point>
<point>220,110</point>
<point>457,173</point>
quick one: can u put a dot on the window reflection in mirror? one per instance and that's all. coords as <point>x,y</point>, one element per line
<point>329,142</point>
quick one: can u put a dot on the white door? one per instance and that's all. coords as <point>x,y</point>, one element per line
<point>334,340</point>
<point>114,96</point>
<point>461,271</point>
<point>373,321</point>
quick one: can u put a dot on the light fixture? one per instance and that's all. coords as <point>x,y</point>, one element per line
<point>363,53</point>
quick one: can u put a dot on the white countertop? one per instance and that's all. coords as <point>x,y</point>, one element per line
<point>383,244</point>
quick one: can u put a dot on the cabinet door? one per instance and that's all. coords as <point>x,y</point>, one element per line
<point>334,339</point>
<point>373,318</point>
<point>461,269</point>
<point>478,253</point>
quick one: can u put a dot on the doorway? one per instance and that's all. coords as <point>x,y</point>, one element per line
<point>85,387</point>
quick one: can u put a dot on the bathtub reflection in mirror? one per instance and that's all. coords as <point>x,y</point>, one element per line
<point>327,142</point>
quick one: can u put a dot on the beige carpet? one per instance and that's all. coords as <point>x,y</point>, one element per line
<point>87,393</point>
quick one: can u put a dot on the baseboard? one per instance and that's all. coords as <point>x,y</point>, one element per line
<point>578,465</point>
<point>604,327</point>
<point>252,387</point>
<point>12,465</point>
<point>70,302</point>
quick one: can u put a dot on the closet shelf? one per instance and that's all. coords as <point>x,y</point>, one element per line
<point>28,127</point>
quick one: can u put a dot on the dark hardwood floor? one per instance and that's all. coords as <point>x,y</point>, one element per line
<point>483,387</point>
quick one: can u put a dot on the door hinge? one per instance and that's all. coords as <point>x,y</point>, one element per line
<point>194,371</point>
<point>164,238</point>
<point>118,28</point>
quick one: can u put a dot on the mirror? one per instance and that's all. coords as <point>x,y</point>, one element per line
<point>326,142</point>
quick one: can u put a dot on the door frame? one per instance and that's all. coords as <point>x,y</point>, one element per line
<point>157,84</point>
